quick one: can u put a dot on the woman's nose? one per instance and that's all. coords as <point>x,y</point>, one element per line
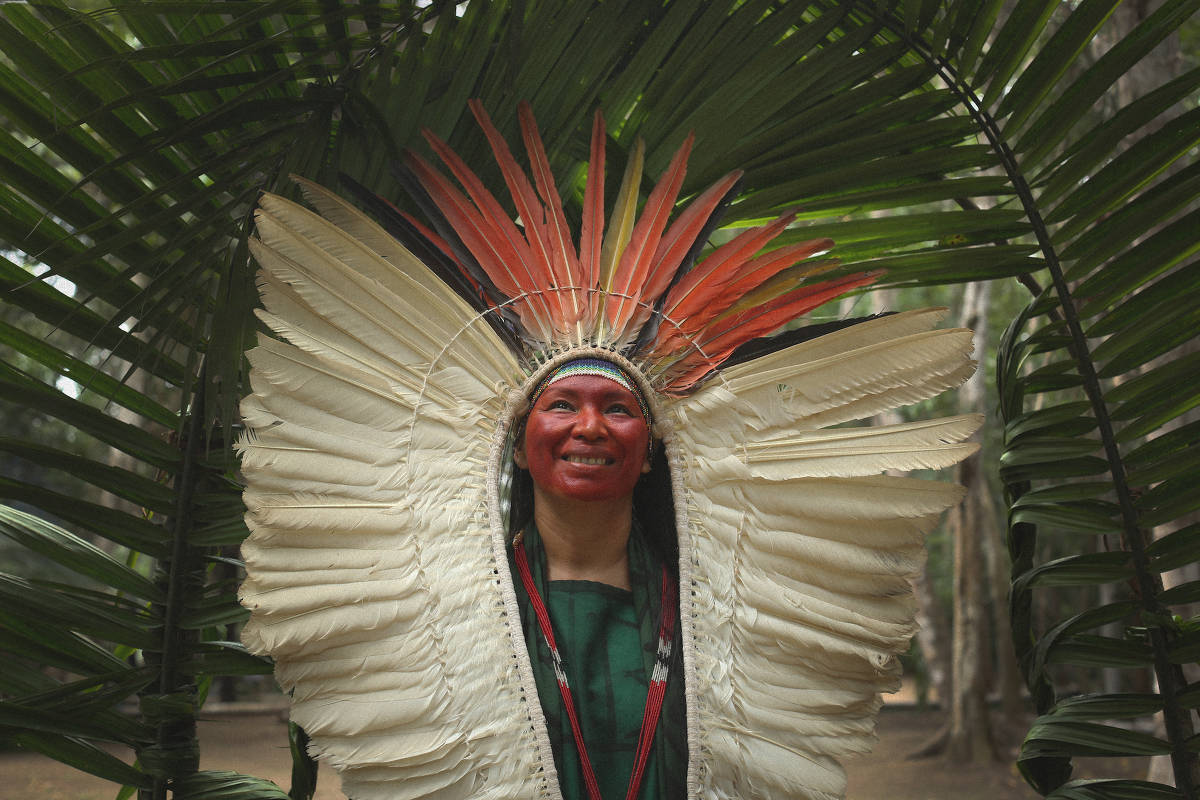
<point>590,423</point>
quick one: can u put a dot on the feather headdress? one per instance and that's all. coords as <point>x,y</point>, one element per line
<point>376,567</point>
<point>632,287</point>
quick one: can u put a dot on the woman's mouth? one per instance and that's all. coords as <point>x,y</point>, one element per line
<point>591,460</point>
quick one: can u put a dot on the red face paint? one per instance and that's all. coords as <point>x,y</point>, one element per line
<point>585,439</point>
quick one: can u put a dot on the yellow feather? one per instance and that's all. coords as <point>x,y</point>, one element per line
<point>778,285</point>
<point>620,224</point>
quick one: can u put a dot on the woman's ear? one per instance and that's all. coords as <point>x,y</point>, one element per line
<point>519,454</point>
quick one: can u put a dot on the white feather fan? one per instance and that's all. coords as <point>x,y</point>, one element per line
<point>376,571</point>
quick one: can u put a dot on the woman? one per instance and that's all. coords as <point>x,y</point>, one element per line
<point>764,555</point>
<point>608,585</point>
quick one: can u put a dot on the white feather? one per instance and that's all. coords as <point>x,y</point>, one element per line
<point>799,393</point>
<point>364,464</point>
<point>369,233</point>
<point>930,444</point>
<point>803,552</point>
<point>338,262</point>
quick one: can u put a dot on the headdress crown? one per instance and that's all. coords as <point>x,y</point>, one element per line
<point>632,285</point>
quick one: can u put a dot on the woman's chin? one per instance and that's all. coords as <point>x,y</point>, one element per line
<point>589,491</point>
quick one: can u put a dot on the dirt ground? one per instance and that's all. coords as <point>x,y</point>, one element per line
<point>256,744</point>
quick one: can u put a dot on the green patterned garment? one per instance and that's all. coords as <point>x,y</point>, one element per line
<point>607,638</point>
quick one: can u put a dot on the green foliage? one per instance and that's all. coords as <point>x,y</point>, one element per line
<point>138,135</point>
<point>1092,390</point>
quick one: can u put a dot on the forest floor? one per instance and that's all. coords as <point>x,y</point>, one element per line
<point>256,744</point>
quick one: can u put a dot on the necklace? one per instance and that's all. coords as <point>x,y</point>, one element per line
<point>654,694</point>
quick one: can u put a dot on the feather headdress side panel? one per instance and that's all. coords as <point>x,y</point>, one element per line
<point>804,549</point>
<point>368,433</point>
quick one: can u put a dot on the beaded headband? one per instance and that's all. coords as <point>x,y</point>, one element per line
<point>597,367</point>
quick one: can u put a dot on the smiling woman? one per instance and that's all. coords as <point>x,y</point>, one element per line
<point>587,437</point>
<point>601,642</point>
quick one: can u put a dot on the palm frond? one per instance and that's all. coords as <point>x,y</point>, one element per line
<point>940,142</point>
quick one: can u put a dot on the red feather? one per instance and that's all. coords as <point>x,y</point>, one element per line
<point>699,307</point>
<point>763,319</point>
<point>528,205</point>
<point>724,335</point>
<point>681,236</point>
<point>564,262</point>
<point>489,208</point>
<point>476,231</point>
<point>721,266</point>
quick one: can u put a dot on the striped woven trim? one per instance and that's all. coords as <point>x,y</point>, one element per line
<point>599,368</point>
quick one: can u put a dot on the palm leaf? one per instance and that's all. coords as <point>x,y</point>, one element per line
<point>1075,340</point>
<point>942,142</point>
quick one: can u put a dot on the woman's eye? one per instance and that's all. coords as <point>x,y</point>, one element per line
<point>619,408</point>
<point>563,404</point>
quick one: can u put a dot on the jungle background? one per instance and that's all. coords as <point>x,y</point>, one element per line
<point>1030,165</point>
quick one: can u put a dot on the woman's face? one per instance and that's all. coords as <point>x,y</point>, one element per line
<point>585,439</point>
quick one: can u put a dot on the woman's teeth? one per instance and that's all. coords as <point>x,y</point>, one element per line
<point>586,460</point>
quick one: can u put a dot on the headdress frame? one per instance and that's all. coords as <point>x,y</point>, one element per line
<point>663,429</point>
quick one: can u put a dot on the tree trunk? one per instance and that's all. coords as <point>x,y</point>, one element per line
<point>969,735</point>
<point>1007,684</point>
<point>970,731</point>
<point>933,637</point>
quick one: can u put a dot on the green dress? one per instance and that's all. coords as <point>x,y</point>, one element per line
<point>607,638</point>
